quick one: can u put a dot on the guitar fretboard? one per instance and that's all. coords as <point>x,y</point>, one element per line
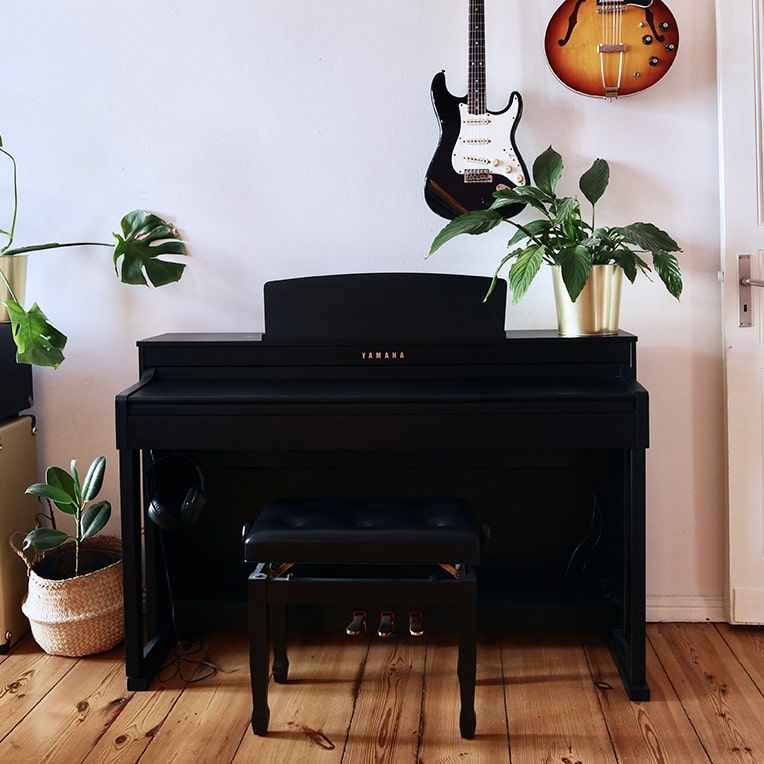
<point>476,89</point>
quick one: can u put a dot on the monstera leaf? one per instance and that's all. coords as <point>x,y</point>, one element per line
<point>145,238</point>
<point>37,341</point>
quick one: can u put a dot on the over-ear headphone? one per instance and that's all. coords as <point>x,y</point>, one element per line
<point>171,504</point>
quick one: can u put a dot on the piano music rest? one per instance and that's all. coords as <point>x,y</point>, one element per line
<point>386,551</point>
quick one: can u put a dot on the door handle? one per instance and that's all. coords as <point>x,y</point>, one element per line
<point>745,282</point>
<point>748,282</point>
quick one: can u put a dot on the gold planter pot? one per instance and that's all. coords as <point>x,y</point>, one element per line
<point>15,271</point>
<point>597,309</point>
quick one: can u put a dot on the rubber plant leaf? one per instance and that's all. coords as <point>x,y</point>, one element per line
<point>137,256</point>
<point>94,518</point>
<point>44,538</point>
<point>52,492</point>
<point>38,342</point>
<point>60,478</point>
<point>93,481</point>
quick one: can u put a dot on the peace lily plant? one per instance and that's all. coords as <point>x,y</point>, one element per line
<point>561,237</point>
<point>136,256</point>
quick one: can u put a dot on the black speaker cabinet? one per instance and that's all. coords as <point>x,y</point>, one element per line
<point>15,379</point>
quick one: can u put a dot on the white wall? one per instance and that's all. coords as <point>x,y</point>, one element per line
<point>291,138</point>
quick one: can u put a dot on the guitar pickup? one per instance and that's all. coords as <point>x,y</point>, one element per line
<point>620,48</point>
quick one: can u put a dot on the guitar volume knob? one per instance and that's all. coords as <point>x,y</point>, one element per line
<point>670,47</point>
<point>647,39</point>
<point>653,60</point>
<point>665,26</point>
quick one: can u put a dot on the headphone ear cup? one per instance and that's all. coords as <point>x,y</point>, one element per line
<point>161,516</point>
<point>192,507</point>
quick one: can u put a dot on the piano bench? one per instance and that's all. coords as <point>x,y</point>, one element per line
<point>387,551</point>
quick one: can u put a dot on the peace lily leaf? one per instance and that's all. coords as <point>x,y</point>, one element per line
<point>595,181</point>
<point>503,262</point>
<point>145,237</point>
<point>649,238</point>
<point>93,479</point>
<point>627,260</point>
<point>52,492</point>
<point>37,341</point>
<point>59,478</point>
<point>44,538</point>
<point>94,518</point>
<point>535,228</point>
<point>576,266</point>
<point>522,273</point>
<point>667,268</point>
<point>519,195</point>
<point>567,208</point>
<point>478,221</point>
<point>547,171</point>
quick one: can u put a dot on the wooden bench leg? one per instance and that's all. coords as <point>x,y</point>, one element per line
<point>279,629</point>
<point>259,651</point>
<point>467,662</point>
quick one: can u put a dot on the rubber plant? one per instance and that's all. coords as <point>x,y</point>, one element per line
<point>137,257</point>
<point>71,496</point>
<point>562,237</point>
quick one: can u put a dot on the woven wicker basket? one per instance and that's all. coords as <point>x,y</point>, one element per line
<point>81,615</point>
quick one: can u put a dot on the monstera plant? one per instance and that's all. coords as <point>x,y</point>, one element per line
<point>137,252</point>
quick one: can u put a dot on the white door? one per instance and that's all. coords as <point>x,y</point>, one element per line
<point>741,114</point>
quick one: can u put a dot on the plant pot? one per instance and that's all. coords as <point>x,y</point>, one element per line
<point>80,615</point>
<point>597,310</point>
<point>15,270</point>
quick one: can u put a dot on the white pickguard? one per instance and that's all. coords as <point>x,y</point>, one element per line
<point>484,144</point>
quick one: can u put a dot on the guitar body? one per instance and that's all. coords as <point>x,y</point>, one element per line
<point>611,48</point>
<point>476,155</point>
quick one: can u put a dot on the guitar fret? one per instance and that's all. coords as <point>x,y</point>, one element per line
<point>476,91</point>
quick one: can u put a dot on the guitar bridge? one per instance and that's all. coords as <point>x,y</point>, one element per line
<point>477,176</point>
<point>620,48</point>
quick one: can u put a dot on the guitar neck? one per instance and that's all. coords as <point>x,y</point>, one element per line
<point>476,89</point>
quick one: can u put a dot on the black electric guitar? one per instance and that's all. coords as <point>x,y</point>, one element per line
<point>476,154</point>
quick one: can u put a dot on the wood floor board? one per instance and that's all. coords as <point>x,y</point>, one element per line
<point>130,734</point>
<point>70,720</point>
<point>554,713</point>
<point>26,677</point>
<point>721,700</point>
<point>747,643</point>
<point>441,741</point>
<point>385,725</point>
<point>311,714</point>
<point>207,722</point>
<point>657,732</point>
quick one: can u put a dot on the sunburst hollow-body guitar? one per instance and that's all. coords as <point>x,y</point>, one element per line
<point>611,48</point>
<point>477,154</point>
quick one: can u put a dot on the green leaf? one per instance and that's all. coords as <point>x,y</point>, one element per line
<point>595,180</point>
<point>547,171</point>
<point>56,495</point>
<point>37,341</point>
<point>44,538</point>
<point>649,238</point>
<point>520,195</point>
<point>475,222</point>
<point>94,479</point>
<point>627,261</point>
<point>667,268</point>
<point>60,478</point>
<point>568,208</point>
<point>522,273</point>
<point>94,518</point>
<point>146,237</point>
<point>576,266</point>
<point>535,228</point>
<point>76,480</point>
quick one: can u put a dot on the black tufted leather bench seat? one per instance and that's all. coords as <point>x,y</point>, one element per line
<point>294,540</point>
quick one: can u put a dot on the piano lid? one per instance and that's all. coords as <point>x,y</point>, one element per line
<point>384,306</point>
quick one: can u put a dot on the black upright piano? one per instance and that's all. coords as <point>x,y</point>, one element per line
<point>396,385</point>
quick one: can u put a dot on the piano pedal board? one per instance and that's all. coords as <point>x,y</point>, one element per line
<point>386,628</point>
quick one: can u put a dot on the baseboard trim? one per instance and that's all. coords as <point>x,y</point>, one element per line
<point>685,609</point>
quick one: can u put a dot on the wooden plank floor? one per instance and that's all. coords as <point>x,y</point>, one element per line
<point>556,700</point>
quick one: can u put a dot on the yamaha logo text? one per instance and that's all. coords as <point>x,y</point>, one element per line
<point>383,355</point>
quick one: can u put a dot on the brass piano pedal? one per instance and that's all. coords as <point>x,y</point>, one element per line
<point>357,625</point>
<point>416,623</point>
<point>386,626</point>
